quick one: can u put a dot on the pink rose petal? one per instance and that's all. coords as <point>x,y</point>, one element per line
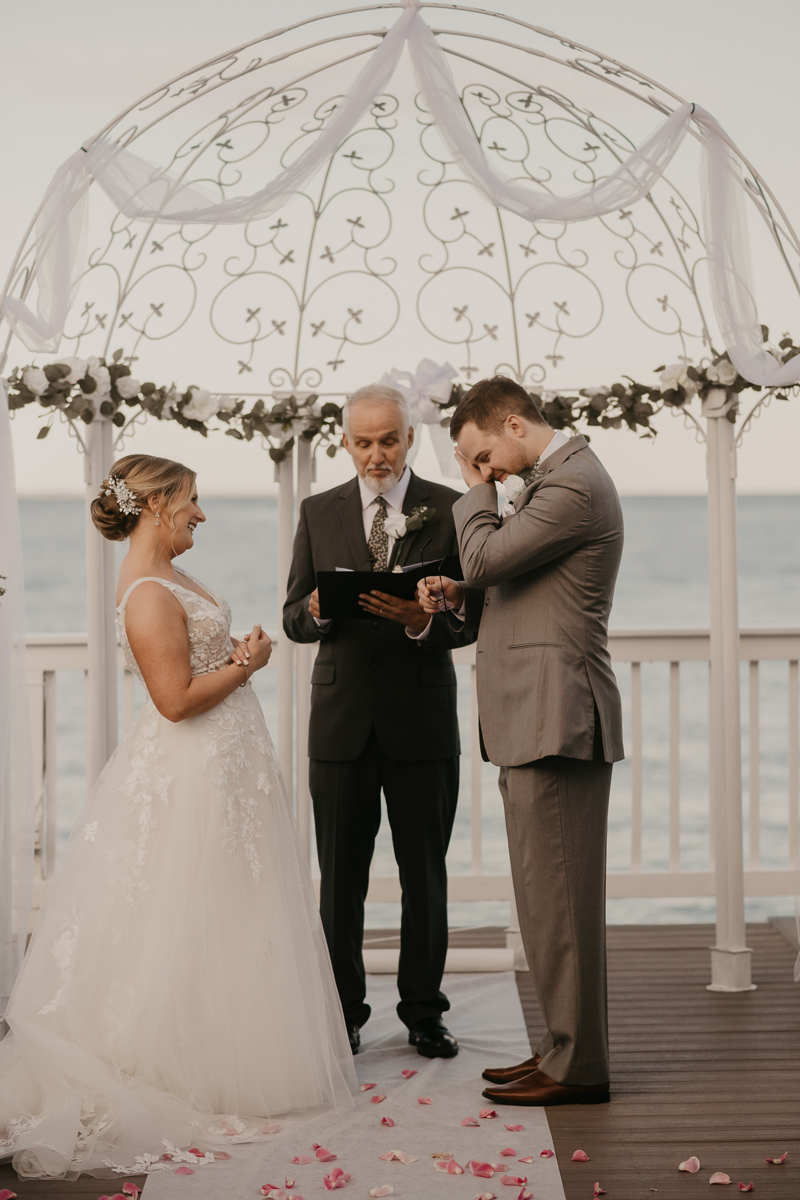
<point>288,1184</point>
<point>365,1087</point>
<point>483,1170</point>
<point>746,1187</point>
<point>5,1194</point>
<point>300,1160</point>
<point>508,1153</point>
<point>470,1121</point>
<point>598,1191</point>
<point>272,1191</point>
<point>692,1165</point>
<point>424,1100</point>
<point>386,1190</point>
<point>221,1156</point>
<point>376,1099</point>
<point>408,1074</point>
<point>782,1158</point>
<point>525,1194</point>
<point>487,1114</point>
<point>448,1166</point>
<point>513,1180</point>
<point>528,1159</point>
<point>322,1154</point>
<point>547,1154</point>
<point>398,1155</point>
<point>184,1171</point>
<point>486,1196</point>
<point>387,1121</point>
<point>720,1177</point>
<point>270,1127</point>
<point>580,1156</point>
<point>336,1179</point>
<point>130,1189</point>
<point>514,1128</point>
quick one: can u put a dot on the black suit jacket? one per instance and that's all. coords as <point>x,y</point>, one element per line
<point>370,674</point>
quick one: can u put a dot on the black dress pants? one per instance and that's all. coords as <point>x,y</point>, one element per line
<point>421,800</point>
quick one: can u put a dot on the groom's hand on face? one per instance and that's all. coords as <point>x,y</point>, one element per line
<point>434,600</point>
<point>471,475</point>
<point>404,612</point>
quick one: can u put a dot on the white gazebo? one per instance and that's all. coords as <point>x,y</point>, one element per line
<point>396,182</point>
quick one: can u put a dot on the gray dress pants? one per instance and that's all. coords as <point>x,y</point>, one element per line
<point>556,816</point>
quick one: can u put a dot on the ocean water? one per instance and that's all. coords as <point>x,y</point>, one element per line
<point>663,583</point>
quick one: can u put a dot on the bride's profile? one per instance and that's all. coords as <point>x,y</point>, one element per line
<point>177,987</point>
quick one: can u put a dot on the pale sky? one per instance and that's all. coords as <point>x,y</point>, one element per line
<point>68,68</point>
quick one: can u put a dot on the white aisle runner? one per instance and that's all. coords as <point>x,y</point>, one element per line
<point>487,1019</point>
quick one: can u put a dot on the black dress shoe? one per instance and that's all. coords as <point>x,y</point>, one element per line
<point>432,1039</point>
<point>354,1033</point>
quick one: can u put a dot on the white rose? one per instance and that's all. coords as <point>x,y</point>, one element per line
<point>128,387</point>
<point>675,376</point>
<point>77,368</point>
<point>723,373</point>
<point>513,485</point>
<point>395,525</point>
<point>202,405</point>
<point>35,380</point>
<point>102,378</point>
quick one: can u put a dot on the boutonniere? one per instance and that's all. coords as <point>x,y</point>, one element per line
<point>400,526</point>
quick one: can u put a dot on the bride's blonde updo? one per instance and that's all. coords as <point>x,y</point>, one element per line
<point>142,476</point>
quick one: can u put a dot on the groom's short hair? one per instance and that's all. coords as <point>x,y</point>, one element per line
<point>489,401</point>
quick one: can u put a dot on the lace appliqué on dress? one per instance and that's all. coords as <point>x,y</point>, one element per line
<point>233,728</point>
<point>63,951</point>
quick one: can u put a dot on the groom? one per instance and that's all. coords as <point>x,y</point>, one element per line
<point>383,713</point>
<point>540,581</point>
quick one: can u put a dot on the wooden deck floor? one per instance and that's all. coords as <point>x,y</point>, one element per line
<point>693,1072</point>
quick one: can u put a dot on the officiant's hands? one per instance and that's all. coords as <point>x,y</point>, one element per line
<point>434,600</point>
<point>392,608</point>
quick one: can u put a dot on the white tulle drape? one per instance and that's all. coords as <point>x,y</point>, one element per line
<point>146,192</point>
<point>17,812</point>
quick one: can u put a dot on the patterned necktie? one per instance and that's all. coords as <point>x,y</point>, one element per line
<point>379,538</point>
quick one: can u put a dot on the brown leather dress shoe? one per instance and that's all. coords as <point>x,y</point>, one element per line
<point>512,1074</point>
<point>539,1090</point>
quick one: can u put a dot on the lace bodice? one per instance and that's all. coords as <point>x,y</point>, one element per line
<point>208,624</point>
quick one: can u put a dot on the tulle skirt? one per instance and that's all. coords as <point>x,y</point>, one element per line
<point>177,987</point>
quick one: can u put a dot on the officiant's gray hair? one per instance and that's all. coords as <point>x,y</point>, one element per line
<point>377,393</point>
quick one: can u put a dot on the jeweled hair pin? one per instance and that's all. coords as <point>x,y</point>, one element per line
<point>126,500</point>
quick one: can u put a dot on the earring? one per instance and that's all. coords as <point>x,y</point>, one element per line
<point>157,520</point>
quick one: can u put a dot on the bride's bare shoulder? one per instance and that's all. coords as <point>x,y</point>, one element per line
<point>147,598</point>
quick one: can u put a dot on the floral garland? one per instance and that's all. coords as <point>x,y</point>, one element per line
<point>633,405</point>
<point>79,389</point>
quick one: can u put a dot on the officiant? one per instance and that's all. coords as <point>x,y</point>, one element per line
<point>383,711</point>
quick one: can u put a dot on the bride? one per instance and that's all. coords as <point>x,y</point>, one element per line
<point>177,986</point>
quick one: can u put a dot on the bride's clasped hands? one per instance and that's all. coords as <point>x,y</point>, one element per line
<point>177,987</point>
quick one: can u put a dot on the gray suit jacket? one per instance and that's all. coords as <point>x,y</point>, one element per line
<point>369,674</point>
<point>548,576</point>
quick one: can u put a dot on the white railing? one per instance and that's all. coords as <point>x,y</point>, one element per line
<point>50,653</point>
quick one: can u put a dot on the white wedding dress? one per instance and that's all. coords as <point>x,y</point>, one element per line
<point>177,987</point>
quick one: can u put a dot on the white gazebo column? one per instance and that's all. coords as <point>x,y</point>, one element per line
<point>303,657</point>
<point>730,957</point>
<point>101,683</point>
<point>284,475</point>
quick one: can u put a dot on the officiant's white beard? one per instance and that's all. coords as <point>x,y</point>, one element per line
<point>380,485</point>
